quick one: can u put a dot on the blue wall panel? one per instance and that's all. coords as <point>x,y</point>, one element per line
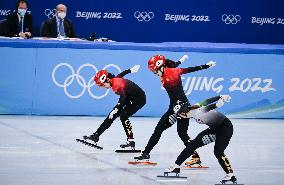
<point>58,81</point>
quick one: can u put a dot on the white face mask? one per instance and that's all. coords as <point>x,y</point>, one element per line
<point>61,15</point>
<point>22,12</point>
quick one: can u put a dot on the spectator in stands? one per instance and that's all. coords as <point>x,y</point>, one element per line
<point>20,23</point>
<point>59,26</point>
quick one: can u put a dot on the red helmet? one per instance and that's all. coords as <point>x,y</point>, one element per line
<point>155,62</point>
<point>101,77</point>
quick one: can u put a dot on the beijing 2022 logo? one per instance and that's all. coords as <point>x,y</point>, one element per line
<point>144,16</point>
<point>50,13</point>
<point>231,19</point>
<point>79,79</point>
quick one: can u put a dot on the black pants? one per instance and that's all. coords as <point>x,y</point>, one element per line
<point>131,106</point>
<point>167,120</point>
<point>221,135</point>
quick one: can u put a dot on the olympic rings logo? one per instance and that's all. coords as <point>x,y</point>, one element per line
<point>80,80</point>
<point>50,13</point>
<point>231,19</point>
<point>144,16</point>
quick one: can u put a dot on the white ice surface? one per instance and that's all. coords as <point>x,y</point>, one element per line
<point>38,150</point>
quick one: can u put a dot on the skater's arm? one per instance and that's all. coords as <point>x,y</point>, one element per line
<point>210,107</point>
<point>193,69</point>
<point>220,102</point>
<point>121,101</point>
<point>123,73</point>
<point>172,64</point>
<point>115,111</point>
<point>209,101</point>
<point>197,68</point>
<point>134,69</point>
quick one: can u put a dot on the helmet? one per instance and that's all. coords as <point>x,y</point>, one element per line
<point>155,62</point>
<point>101,77</point>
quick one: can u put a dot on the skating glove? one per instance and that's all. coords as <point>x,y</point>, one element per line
<point>226,98</point>
<point>183,58</point>
<point>220,103</point>
<point>112,113</point>
<point>222,100</point>
<point>135,69</point>
<point>211,64</point>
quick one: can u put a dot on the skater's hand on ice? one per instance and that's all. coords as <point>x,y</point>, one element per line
<point>135,69</point>
<point>211,64</point>
<point>183,58</point>
<point>226,98</point>
<point>112,113</point>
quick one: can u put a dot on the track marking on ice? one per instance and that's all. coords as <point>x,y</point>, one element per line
<point>78,152</point>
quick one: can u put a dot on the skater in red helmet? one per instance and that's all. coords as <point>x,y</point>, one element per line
<point>132,98</point>
<point>171,80</point>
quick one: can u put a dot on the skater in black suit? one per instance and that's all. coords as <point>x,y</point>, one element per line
<point>132,98</point>
<point>220,131</point>
<point>171,81</point>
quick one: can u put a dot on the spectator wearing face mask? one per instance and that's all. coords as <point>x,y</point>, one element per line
<point>59,26</point>
<point>20,23</point>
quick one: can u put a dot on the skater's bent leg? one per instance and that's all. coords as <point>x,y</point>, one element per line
<point>223,136</point>
<point>187,152</point>
<point>131,108</point>
<point>126,125</point>
<point>192,146</point>
<point>182,127</point>
<point>224,162</point>
<point>134,105</point>
<point>163,124</point>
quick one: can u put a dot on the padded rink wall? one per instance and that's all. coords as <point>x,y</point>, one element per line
<point>55,78</point>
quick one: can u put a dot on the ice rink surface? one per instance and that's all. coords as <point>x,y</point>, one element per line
<point>38,150</point>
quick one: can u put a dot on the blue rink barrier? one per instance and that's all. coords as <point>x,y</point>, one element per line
<point>55,77</point>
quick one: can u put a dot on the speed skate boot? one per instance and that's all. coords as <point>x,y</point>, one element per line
<point>143,157</point>
<point>94,137</point>
<point>195,159</point>
<point>229,177</point>
<point>172,169</point>
<point>129,143</point>
<point>172,172</point>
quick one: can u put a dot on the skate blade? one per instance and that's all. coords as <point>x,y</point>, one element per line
<point>128,151</point>
<point>89,144</point>
<point>142,163</point>
<point>171,178</point>
<point>195,167</point>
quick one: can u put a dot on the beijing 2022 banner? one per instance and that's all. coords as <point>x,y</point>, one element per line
<point>43,81</point>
